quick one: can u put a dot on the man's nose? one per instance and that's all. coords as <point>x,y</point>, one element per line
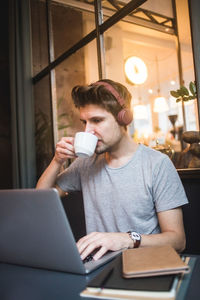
<point>89,128</point>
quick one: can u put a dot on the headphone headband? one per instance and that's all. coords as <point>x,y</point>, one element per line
<point>125,116</point>
<point>113,91</point>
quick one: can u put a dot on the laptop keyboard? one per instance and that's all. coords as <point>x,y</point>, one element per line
<point>90,256</point>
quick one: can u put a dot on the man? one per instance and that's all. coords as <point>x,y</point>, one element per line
<point>132,194</point>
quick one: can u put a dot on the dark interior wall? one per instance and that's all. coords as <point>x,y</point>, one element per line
<point>5,115</point>
<point>191,215</point>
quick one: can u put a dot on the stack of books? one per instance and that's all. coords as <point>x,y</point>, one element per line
<point>143,273</point>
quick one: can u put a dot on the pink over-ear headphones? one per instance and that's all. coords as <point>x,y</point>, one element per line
<point>125,116</point>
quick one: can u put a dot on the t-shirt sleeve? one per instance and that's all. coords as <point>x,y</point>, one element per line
<point>168,191</point>
<point>69,180</point>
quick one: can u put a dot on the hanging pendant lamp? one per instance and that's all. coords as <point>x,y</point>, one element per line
<point>160,104</point>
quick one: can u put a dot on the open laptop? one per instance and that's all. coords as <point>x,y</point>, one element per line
<point>35,232</point>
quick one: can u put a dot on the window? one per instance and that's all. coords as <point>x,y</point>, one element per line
<point>66,52</point>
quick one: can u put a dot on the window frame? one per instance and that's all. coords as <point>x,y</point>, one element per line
<point>101,27</point>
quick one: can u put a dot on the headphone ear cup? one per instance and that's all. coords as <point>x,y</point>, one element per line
<point>125,116</point>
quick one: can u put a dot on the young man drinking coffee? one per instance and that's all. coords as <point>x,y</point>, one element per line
<point>132,194</point>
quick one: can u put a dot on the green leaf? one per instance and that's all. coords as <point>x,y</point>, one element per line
<point>62,126</point>
<point>192,88</point>
<point>174,94</point>
<point>185,98</point>
<point>59,101</point>
<point>61,116</point>
<point>180,93</point>
<point>184,91</point>
<point>179,99</point>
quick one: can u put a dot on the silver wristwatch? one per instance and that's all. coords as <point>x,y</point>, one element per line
<point>136,237</point>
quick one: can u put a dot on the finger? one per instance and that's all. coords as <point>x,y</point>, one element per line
<point>88,250</point>
<point>63,145</point>
<point>65,149</point>
<point>88,237</point>
<point>64,152</point>
<point>88,243</point>
<point>86,246</point>
<point>68,139</point>
<point>100,253</point>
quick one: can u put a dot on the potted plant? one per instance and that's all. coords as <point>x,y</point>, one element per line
<point>190,157</point>
<point>43,135</point>
<point>184,94</point>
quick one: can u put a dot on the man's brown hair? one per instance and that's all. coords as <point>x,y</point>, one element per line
<point>99,95</point>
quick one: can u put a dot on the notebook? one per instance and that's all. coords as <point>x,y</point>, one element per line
<point>110,284</point>
<point>152,261</point>
<point>35,232</point>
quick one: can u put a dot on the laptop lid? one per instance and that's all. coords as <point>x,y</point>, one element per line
<point>34,231</point>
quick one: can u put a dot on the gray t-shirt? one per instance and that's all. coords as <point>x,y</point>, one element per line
<point>128,197</point>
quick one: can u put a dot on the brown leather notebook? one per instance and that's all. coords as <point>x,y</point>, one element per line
<point>152,261</point>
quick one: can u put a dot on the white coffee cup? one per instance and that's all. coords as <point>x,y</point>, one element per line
<point>85,144</point>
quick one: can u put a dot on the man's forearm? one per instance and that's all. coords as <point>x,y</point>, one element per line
<point>48,178</point>
<point>177,241</point>
<point>121,240</point>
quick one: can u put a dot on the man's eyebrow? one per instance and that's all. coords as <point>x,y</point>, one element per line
<point>97,117</point>
<point>93,118</point>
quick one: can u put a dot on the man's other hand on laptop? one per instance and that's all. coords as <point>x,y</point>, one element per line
<point>105,241</point>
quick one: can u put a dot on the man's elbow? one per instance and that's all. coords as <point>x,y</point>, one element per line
<point>180,246</point>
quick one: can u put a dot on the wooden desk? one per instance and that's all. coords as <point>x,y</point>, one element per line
<point>23,283</point>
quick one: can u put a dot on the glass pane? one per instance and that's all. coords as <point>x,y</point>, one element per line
<point>78,69</point>
<point>43,121</point>
<point>187,61</point>
<point>69,26</point>
<point>160,128</point>
<point>39,35</point>
<point>111,7</point>
<point>153,13</point>
<point>160,7</point>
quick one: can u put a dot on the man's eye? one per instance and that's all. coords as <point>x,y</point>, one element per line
<point>97,120</point>
<point>83,122</point>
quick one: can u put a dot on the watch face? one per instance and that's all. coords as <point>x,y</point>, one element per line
<point>135,235</point>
